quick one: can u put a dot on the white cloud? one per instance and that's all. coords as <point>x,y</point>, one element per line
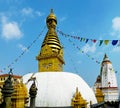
<point>116,49</point>
<point>116,23</point>
<point>22,47</point>
<point>10,30</point>
<point>63,19</point>
<point>27,11</point>
<point>98,54</point>
<point>116,27</point>
<point>31,12</point>
<point>88,48</point>
<point>39,13</point>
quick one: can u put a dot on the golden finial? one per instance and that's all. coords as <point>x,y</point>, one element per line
<point>51,11</point>
<point>51,16</point>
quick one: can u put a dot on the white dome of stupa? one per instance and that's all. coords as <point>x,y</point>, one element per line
<point>56,89</point>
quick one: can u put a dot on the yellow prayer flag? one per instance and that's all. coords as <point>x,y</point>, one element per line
<point>106,42</point>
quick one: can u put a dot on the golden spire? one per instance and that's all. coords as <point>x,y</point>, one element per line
<point>51,38</point>
<point>99,95</point>
<point>51,54</point>
<point>78,101</point>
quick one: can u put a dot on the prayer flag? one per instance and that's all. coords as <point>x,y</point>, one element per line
<point>106,42</point>
<point>86,40</point>
<point>94,41</point>
<point>101,41</point>
<point>114,42</point>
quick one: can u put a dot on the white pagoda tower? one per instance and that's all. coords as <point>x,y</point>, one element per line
<point>107,81</point>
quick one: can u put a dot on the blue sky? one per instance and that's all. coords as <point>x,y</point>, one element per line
<point>21,21</point>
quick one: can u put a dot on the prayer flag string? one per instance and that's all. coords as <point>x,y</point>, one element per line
<point>86,40</point>
<point>92,58</point>
<point>29,46</point>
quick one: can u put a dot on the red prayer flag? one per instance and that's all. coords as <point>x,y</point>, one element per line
<point>94,41</point>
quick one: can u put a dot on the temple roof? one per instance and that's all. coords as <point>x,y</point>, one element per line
<point>106,59</point>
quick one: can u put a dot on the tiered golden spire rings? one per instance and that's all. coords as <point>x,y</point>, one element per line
<point>51,16</point>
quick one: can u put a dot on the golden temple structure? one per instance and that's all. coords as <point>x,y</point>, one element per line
<point>50,57</point>
<point>54,88</point>
<point>99,95</point>
<point>13,92</point>
<point>78,101</point>
<point>20,94</point>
